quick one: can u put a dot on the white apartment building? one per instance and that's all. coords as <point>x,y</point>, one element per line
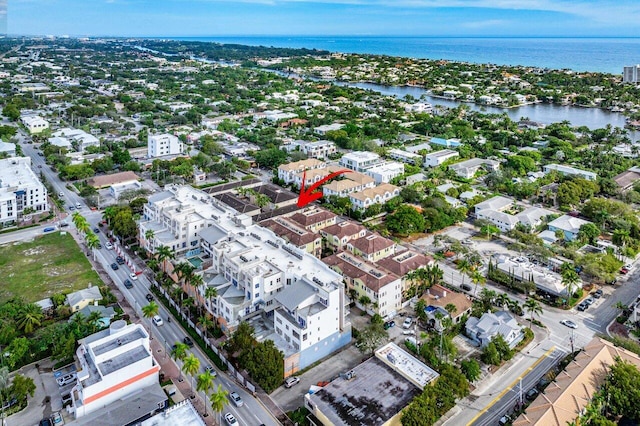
<point>406,156</point>
<point>34,123</point>
<point>570,171</point>
<point>164,144</point>
<point>113,364</point>
<point>288,172</point>
<point>68,137</point>
<point>370,196</point>
<point>360,161</point>
<point>631,74</point>
<point>468,169</point>
<point>384,172</point>
<point>20,188</point>
<point>254,271</point>
<point>437,158</point>
<point>319,149</point>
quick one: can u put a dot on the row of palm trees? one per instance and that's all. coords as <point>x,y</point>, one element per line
<point>90,238</point>
<point>204,381</point>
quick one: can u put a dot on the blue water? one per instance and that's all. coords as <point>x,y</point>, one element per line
<point>579,54</point>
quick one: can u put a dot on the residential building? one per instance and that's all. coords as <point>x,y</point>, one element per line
<point>373,393</point>
<point>113,364</point>
<point>20,189</point>
<point>293,233</point>
<point>569,171</point>
<point>567,396</point>
<point>360,161</point>
<point>497,203</point>
<point>385,172</point>
<point>370,196</point>
<point>531,217</point>
<point>82,298</point>
<point>468,169</point>
<point>437,158</point>
<point>416,149</point>
<point>382,288</point>
<point>402,263</point>
<point>76,138</point>
<point>337,236</point>
<point>406,156</point>
<point>524,271</point>
<point>631,74</point>
<point>482,330</point>
<point>8,149</point>
<point>439,297</point>
<point>627,179</point>
<point>314,218</point>
<point>347,184</point>
<point>287,172</point>
<point>418,177</point>
<point>448,143</point>
<point>106,181</point>
<point>180,414</point>
<point>322,130</point>
<point>163,145</point>
<point>34,124</point>
<point>569,225</point>
<point>319,149</point>
<point>372,247</point>
<point>254,271</point>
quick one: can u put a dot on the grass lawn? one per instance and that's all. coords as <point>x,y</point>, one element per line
<point>49,264</point>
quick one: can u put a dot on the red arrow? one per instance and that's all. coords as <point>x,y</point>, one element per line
<point>307,196</point>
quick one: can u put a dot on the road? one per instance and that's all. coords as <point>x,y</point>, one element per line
<point>253,412</point>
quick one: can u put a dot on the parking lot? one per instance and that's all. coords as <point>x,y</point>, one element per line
<point>47,397</point>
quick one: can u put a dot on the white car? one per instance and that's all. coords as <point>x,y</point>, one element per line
<point>408,332</point>
<point>569,323</point>
<point>230,419</point>
<point>61,194</point>
<point>407,322</point>
<point>57,419</point>
<point>157,320</point>
<point>133,276</point>
<point>66,379</point>
<point>237,400</point>
<point>108,245</point>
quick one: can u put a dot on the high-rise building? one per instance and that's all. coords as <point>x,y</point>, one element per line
<point>20,189</point>
<point>631,74</point>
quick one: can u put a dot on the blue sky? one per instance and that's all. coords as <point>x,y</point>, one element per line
<point>323,17</point>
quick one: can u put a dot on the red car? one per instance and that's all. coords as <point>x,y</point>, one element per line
<point>624,271</point>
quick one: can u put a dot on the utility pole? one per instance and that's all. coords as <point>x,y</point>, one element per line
<point>571,340</point>
<point>521,402</point>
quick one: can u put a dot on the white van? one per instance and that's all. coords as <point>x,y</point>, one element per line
<point>412,340</point>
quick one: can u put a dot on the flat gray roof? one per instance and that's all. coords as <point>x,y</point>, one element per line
<point>376,394</point>
<point>122,360</point>
<point>121,340</point>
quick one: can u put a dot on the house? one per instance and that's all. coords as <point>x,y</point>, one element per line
<point>497,203</point>
<point>569,225</point>
<point>322,130</point>
<point>314,218</point>
<point>569,171</point>
<point>337,236</point>
<point>385,172</point>
<point>163,145</point>
<point>403,262</point>
<point>568,395</point>
<point>34,124</point>
<point>47,307</point>
<point>482,330</point>
<point>106,313</point>
<point>531,217</point>
<point>347,183</point>
<point>81,298</point>
<point>418,177</point>
<point>627,179</point>
<point>287,172</point>
<point>370,196</point>
<point>416,149</point>
<point>439,297</point>
<point>319,149</point>
<point>360,161</point>
<point>448,143</point>
<point>105,181</point>
<point>541,277</point>
<point>406,156</point>
<point>296,235</point>
<point>468,169</point>
<point>68,138</point>
<point>437,158</point>
<point>373,393</point>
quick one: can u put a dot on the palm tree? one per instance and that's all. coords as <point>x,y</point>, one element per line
<point>205,384</point>
<point>451,308</point>
<point>477,278</point>
<point>191,366</point>
<point>109,214</point>
<point>150,311</point>
<point>179,351</point>
<point>93,242</point>
<point>210,293</point>
<point>205,322</point>
<point>533,307</point>
<point>502,300</point>
<point>148,236</point>
<point>463,268</point>
<point>29,318</point>
<point>195,282</point>
<point>163,254</point>
<point>570,279</point>
<point>219,399</point>
<point>93,320</point>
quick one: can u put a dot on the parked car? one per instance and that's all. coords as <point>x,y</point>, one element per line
<point>66,400</point>
<point>45,422</point>
<point>291,381</point>
<point>389,324</point>
<point>71,208</point>
<point>624,271</point>
<point>187,341</point>
<point>407,322</point>
<point>119,260</point>
<point>582,307</point>
<point>49,229</point>
<point>531,395</point>
<point>569,323</point>
<point>237,401</point>
<point>157,320</point>
<point>408,332</point>
<point>589,301</point>
<point>230,419</point>
<point>149,297</point>
<point>504,420</point>
<point>57,419</point>
<point>465,287</point>
<point>66,379</point>
<point>597,294</point>
<point>127,283</point>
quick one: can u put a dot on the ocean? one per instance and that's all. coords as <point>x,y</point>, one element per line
<point>608,55</point>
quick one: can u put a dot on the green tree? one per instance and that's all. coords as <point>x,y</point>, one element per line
<point>471,369</point>
<point>219,399</point>
<point>191,366</point>
<point>151,310</point>
<point>622,390</point>
<point>370,338</point>
<point>179,351</point>
<point>405,221</point>
<point>270,158</point>
<point>570,279</point>
<point>241,339</point>
<point>11,112</point>
<point>533,307</point>
<point>164,253</point>
<point>204,384</point>
<point>588,233</point>
<point>490,354</point>
<point>29,318</point>
<point>18,349</point>
<point>21,386</point>
<point>265,364</point>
